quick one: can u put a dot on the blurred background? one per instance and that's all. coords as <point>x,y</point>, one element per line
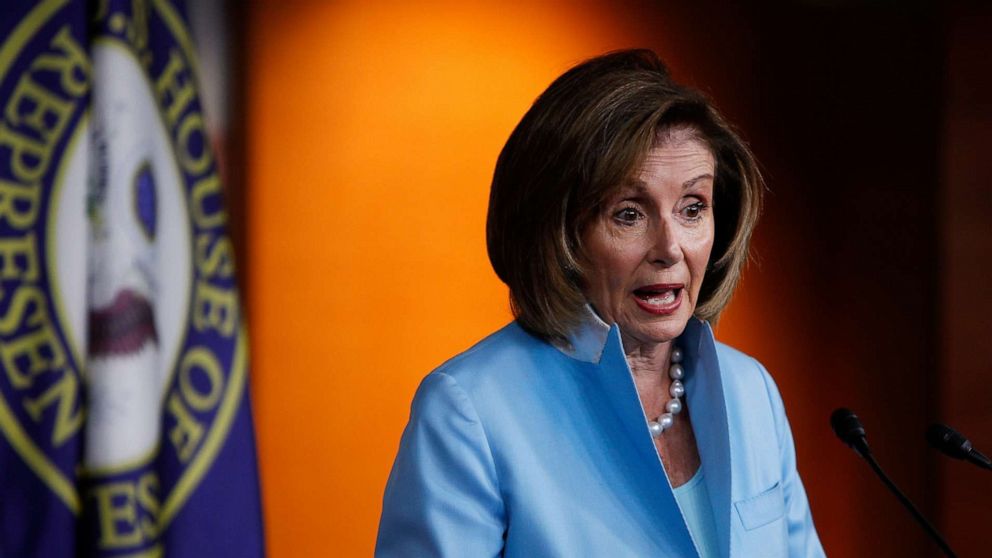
<point>359,142</point>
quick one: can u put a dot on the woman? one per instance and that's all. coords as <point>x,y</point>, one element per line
<point>606,421</point>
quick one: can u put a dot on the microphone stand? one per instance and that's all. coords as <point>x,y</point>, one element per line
<point>848,428</point>
<point>908,505</point>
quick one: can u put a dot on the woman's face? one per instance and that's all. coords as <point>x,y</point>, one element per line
<point>649,246</point>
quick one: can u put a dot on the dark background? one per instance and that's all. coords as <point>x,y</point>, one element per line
<point>873,121</point>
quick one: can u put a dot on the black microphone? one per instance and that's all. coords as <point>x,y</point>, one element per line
<point>952,443</point>
<point>848,428</point>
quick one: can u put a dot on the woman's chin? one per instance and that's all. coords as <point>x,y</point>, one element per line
<point>653,332</point>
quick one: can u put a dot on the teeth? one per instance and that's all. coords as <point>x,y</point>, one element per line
<point>664,298</point>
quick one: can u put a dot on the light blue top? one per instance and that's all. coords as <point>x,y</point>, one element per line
<point>694,500</point>
<point>517,448</point>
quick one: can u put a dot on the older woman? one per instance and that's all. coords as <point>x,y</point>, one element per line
<point>606,420</point>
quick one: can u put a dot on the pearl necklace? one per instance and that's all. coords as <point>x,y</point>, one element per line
<point>677,390</point>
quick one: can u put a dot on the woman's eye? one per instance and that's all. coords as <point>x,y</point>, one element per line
<point>627,215</point>
<point>694,211</point>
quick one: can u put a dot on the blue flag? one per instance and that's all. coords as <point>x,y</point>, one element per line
<point>125,427</point>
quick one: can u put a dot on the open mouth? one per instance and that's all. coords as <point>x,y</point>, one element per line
<point>123,326</point>
<point>659,299</point>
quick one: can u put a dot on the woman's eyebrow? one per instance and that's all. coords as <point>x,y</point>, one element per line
<point>692,181</point>
<point>632,187</point>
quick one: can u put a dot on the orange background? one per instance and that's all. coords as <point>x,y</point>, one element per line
<point>372,131</point>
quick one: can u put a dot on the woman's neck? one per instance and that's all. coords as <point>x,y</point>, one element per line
<point>648,361</point>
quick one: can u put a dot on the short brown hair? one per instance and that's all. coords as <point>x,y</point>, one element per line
<point>582,138</point>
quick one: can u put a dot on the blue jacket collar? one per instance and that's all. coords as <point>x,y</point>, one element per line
<point>598,343</point>
<point>586,342</point>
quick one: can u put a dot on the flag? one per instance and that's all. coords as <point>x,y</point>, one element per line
<point>125,425</point>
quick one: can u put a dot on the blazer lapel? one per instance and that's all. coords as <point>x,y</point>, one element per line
<point>601,347</point>
<point>707,405</point>
<point>654,493</point>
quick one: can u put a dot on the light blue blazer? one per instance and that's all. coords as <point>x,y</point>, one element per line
<point>519,448</point>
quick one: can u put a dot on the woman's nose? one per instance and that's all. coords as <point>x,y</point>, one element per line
<point>665,249</point>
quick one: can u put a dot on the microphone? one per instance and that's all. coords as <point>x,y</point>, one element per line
<point>848,428</point>
<point>952,443</point>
